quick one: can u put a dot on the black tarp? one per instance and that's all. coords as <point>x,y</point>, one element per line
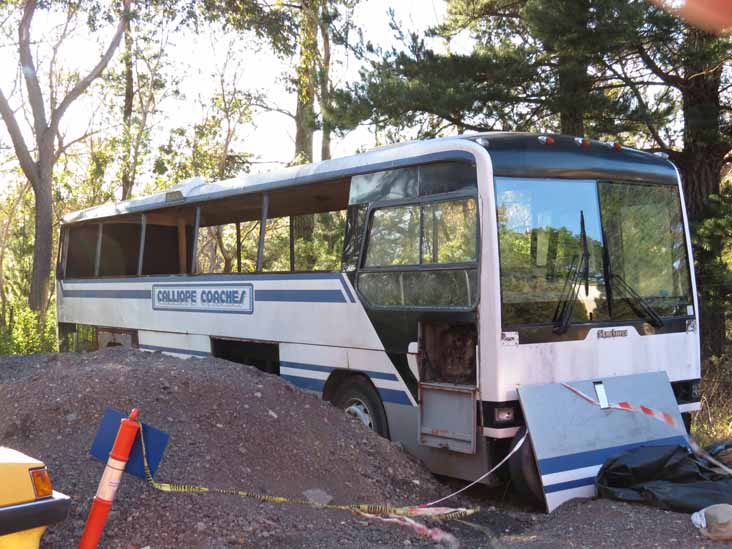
<point>669,477</point>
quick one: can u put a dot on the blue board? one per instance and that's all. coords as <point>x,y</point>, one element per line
<point>572,438</point>
<point>155,443</point>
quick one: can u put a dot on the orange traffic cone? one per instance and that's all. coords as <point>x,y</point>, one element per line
<point>110,481</point>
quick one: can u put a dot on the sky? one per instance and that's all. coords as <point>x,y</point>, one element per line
<point>274,135</point>
<point>196,59</point>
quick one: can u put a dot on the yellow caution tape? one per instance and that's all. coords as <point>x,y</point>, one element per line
<point>437,513</point>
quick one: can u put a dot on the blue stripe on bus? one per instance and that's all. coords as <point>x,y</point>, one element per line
<point>300,296</point>
<point>387,395</point>
<point>107,294</point>
<point>394,396</point>
<point>319,368</point>
<point>307,383</point>
<point>570,462</point>
<point>301,366</point>
<point>570,484</point>
<point>173,350</point>
<point>344,282</point>
<point>289,296</point>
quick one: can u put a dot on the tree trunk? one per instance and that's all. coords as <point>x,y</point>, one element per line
<point>704,151</point>
<point>127,161</point>
<point>305,74</point>
<point>225,253</point>
<point>325,96</point>
<point>43,243</point>
<point>574,88</point>
<point>700,165</point>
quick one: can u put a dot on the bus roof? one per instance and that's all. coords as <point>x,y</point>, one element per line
<point>512,154</point>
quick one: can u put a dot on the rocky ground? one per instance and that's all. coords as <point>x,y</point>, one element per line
<point>233,426</point>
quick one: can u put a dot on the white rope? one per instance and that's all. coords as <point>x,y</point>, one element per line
<point>476,481</point>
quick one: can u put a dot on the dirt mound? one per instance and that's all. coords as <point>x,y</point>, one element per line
<point>230,426</point>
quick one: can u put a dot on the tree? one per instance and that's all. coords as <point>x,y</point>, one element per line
<point>38,164</point>
<point>145,84</point>
<point>693,65</point>
<point>305,75</point>
<point>533,67</point>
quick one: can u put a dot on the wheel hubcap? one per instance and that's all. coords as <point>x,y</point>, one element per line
<point>358,409</point>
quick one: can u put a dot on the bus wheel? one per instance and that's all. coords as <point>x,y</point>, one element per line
<point>357,397</point>
<point>524,474</point>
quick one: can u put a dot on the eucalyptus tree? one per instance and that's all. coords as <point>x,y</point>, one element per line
<point>46,108</point>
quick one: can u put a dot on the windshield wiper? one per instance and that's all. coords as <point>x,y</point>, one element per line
<point>572,284</point>
<point>607,275</point>
<point>635,300</point>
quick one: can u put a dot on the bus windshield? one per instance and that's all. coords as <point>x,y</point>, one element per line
<point>637,265</point>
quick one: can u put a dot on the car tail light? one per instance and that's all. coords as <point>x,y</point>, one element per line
<point>41,482</point>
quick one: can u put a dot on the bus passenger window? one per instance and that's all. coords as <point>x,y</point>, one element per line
<point>318,241</point>
<point>277,245</point>
<point>443,177</point>
<point>120,249</point>
<point>217,248</point>
<point>81,256</point>
<point>394,237</point>
<point>354,222</point>
<point>161,249</point>
<point>449,232</point>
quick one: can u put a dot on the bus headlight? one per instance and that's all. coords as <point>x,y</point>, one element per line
<point>695,389</point>
<point>504,415</point>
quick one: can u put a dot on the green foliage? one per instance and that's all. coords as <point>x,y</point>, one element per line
<point>204,150</point>
<point>714,422</point>
<point>272,21</point>
<point>534,64</point>
<point>27,332</point>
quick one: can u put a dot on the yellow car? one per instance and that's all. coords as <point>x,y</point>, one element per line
<point>28,503</point>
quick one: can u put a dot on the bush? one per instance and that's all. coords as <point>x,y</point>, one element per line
<point>27,333</point>
<point>714,422</point>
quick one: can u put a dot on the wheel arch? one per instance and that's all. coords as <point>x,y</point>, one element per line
<point>338,378</point>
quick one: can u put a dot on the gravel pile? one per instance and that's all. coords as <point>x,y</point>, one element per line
<point>233,426</point>
<point>230,426</point>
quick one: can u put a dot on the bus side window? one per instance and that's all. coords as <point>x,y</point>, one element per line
<point>422,255</point>
<point>218,248</point>
<point>355,220</point>
<point>120,249</point>
<point>161,250</point>
<point>82,250</point>
<point>277,245</point>
<point>317,241</point>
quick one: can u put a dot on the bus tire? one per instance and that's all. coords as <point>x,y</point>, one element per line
<point>358,398</point>
<point>523,472</point>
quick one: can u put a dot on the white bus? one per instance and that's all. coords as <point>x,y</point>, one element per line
<point>416,286</point>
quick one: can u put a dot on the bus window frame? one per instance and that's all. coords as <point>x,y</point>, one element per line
<point>420,267</point>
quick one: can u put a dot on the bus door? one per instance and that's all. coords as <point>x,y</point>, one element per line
<point>447,361</point>
<point>418,274</point>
